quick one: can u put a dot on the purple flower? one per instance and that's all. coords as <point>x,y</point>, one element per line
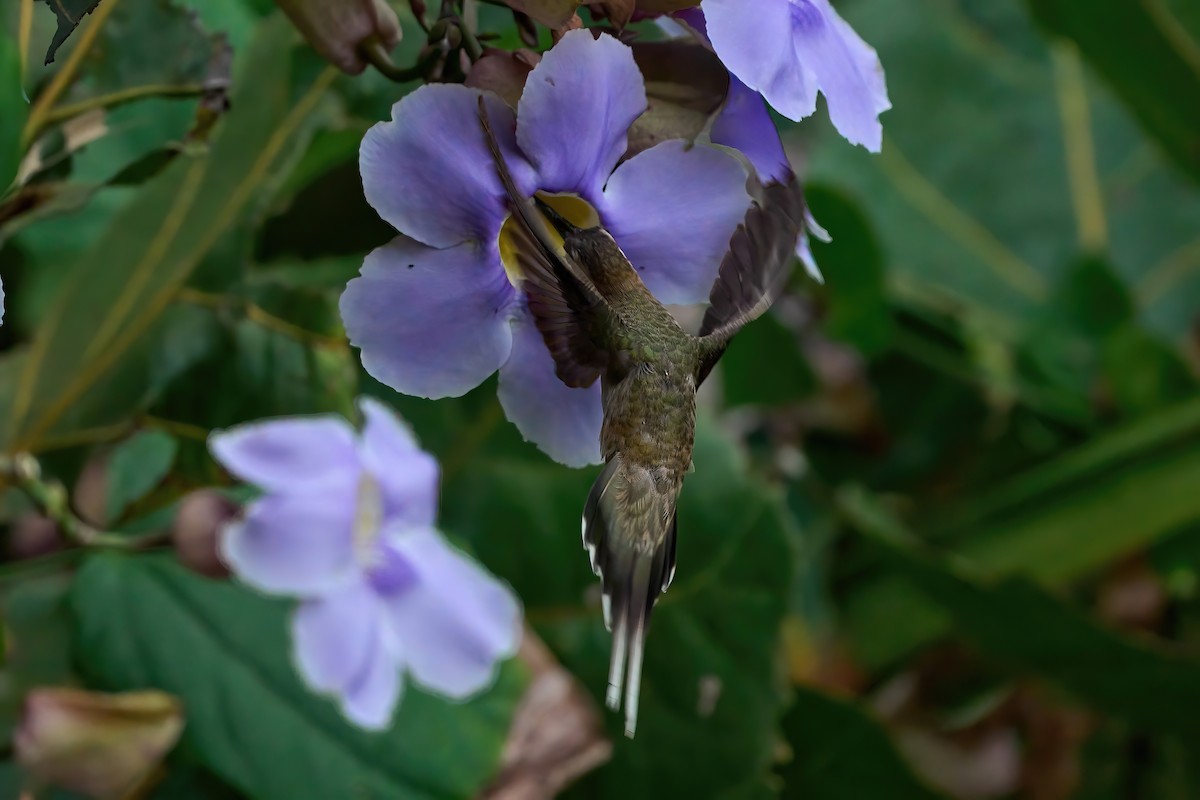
<point>744,123</point>
<point>435,313</point>
<point>346,525</point>
<point>788,50</point>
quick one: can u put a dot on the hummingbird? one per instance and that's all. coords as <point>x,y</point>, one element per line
<point>600,322</point>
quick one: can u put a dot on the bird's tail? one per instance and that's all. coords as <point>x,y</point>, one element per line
<point>633,571</point>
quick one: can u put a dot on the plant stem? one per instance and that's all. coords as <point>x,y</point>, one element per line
<point>65,112</point>
<point>25,473</point>
<point>46,100</point>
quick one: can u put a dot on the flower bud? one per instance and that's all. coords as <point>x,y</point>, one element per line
<point>33,535</point>
<point>197,528</point>
<point>335,28</point>
<point>99,745</point>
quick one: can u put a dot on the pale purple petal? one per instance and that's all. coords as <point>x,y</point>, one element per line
<point>745,125</point>
<point>371,699</point>
<point>673,209</point>
<point>333,636</point>
<point>429,172</point>
<point>343,647</point>
<point>756,44</point>
<point>406,474</point>
<point>848,71</point>
<point>576,110</point>
<point>431,323</point>
<point>789,49</point>
<point>300,543</point>
<point>563,422</point>
<point>287,454</point>
<point>457,622</point>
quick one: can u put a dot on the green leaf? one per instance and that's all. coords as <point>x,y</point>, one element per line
<point>135,467</point>
<point>173,49</point>
<point>256,371</point>
<point>852,264</point>
<point>1016,622</point>
<point>115,293</point>
<point>189,782</point>
<point>764,366</point>
<point>13,110</point>
<point>840,753</point>
<point>38,638</point>
<point>986,188</point>
<point>1145,373</point>
<point>1061,349</point>
<point>1151,61</point>
<point>711,696</point>
<point>1119,493</point>
<point>138,616</point>
<point>69,14</point>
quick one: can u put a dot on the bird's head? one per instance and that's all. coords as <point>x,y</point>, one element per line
<point>594,249</point>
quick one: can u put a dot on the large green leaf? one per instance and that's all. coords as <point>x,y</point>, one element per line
<point>145,621</point>
<point>711,697</point>
<point>840,753</point>
<point>115,293</point>
<point>1018,623</point>
<point>1149,59</point>
<point>1002,161</point>
<point>154,42</point>
<point>1111,497</point>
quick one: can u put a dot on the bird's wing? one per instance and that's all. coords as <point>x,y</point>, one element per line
<point>568,309</point>
<point>755,269</point>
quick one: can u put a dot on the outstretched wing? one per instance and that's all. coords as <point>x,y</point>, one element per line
<point>755,269</point>
<point>569,311</point>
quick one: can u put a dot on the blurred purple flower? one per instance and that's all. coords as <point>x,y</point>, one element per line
<point>346,525</point>
<point>434,311</point>
<point>788,50</point>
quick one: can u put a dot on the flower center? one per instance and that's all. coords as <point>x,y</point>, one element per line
<point>387,571</point>
<point>391,573</point>
<point>576,210</point>
<point>368,519</point>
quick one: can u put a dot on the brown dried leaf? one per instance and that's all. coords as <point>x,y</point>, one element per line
<point>665,6</point>
<point>503,72</point>
<point>685,85</point>
<point>618,12</point>
<point>556,735</point>
<point>551,13</point>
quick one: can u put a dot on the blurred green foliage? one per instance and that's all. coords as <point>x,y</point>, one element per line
<point>943,538</point>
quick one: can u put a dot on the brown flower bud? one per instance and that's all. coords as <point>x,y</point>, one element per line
<point>197,529</point>
<point>336,28</point>
<point>33,535</point>
<point>99,745</point>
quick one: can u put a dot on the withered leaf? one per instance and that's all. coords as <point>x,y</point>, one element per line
<point>69,13</point>
<point>551,13</point>
<point>503,72</point>
<point>685,85</point>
